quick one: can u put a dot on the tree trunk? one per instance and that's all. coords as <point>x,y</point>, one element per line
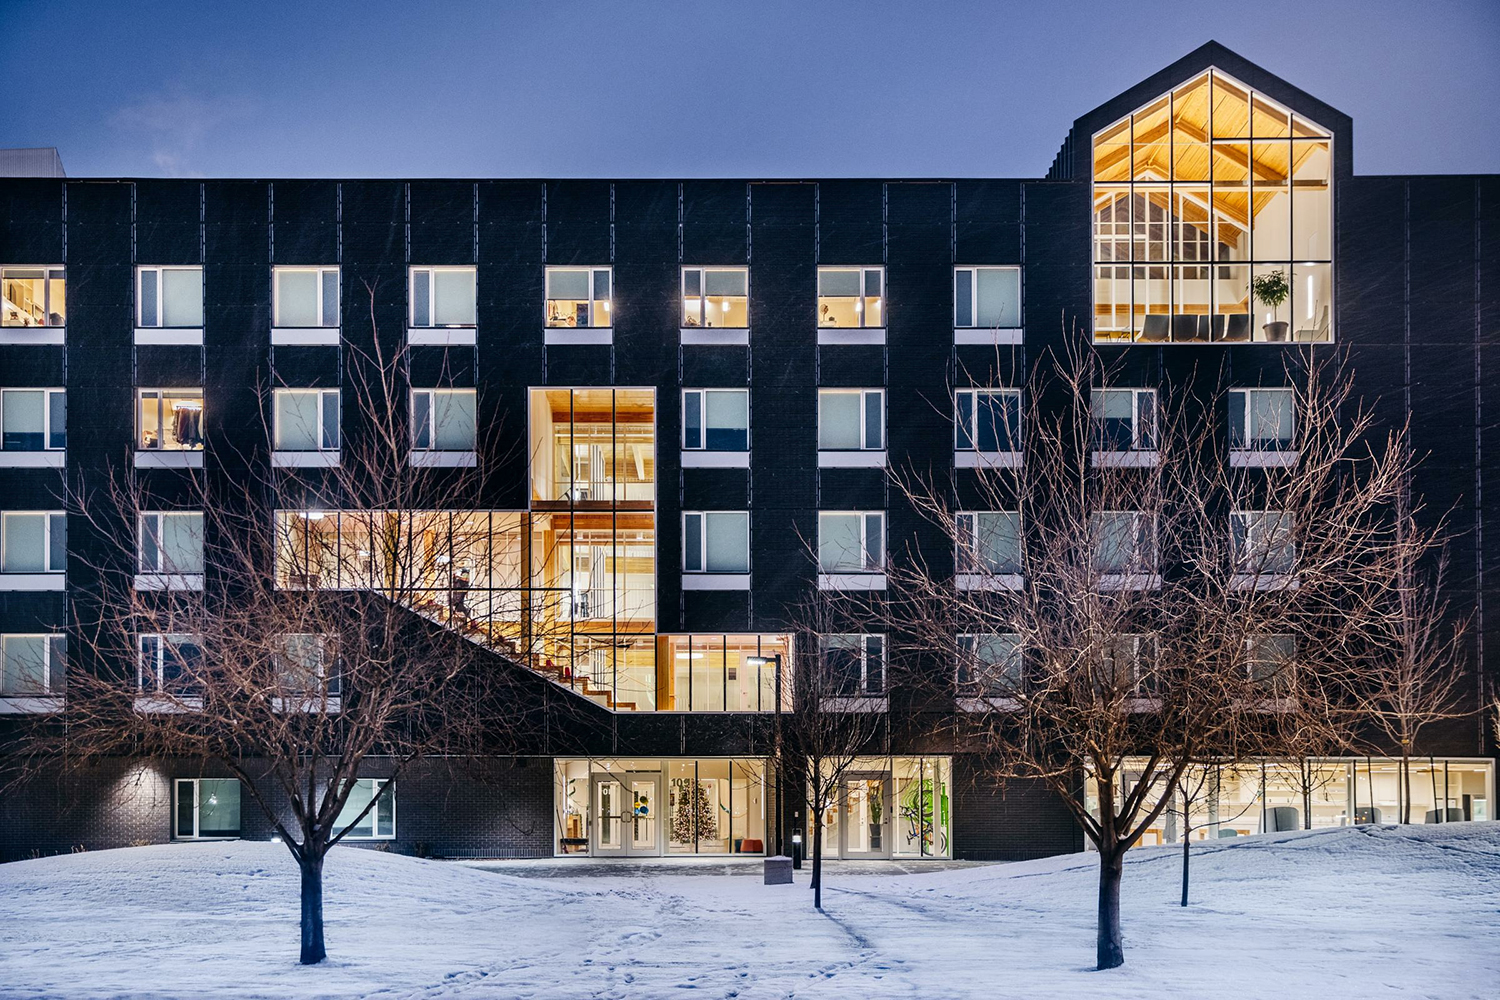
<point>1111,945</point>
<point>1306,795</point>
<point>1186,842</point>
<point>817,860</point>
<point>1405,788</point>
<point>312,911</point>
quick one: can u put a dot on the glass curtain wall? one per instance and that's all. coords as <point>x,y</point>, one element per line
<point>1206,201</point>
<point>916,821</point>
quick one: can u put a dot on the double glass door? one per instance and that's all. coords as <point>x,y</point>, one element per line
<point>627,814</point>
<point>864,816</point>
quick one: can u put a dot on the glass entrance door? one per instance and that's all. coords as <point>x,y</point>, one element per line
<point>627,810</point>
<point>865,820</point>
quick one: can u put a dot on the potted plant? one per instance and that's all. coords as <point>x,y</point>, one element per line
<point>1272,288</point>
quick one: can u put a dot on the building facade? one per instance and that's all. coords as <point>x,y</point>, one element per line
<point>694,383</point>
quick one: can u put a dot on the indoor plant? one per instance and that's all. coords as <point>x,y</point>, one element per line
<point>1272,288</point>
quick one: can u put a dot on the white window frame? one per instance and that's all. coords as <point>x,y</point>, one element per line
<point>1136,454</point>
<point>965,333</point>
<point>197,808</point>
<point>322,272</point>
<point>325,673</point>
<point>163,640</point>
<point>323,397</point>
<point>161,395</point>
<point>864,417</point>
<point>376,785</point>
<point>1254,445</point>
<point>869,567</point>
<point>53,517</point>
<point>824,642</point>
<point>47,393</point>
<point>703,272</point>
<point>156,271</point>
<point>1138,642</point>
<point>50,273</point>
<point>1147,575</point>
<point>703,517</point>
<point>431,446</point>
<point>55,671</point>
<point>184,578</point>
<point>703,395</point>
<point>967,690</point>
<point>977,578</point>
<point>1261,578</point>
<point>596,301</point>
<point>432,297</point>
<point>967,456</point>
<point>860,306</point>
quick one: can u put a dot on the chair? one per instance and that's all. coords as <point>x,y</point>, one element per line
<point>1184,328</point>
<point>1155,329</point>
<point>1236,329</point>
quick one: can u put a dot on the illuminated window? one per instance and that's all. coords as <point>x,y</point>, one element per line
<point>715,297</point>
<point>33,296</point>
<point>1213,220</point>
<point>578,297</point>
<point>206,807</point>
<point>851,296</point>
<point>379,823</point>
<point>170,420</point>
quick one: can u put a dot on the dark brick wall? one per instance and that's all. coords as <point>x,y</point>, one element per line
<point>1007,820</point>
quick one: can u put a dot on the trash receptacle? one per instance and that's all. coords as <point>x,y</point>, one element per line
<point>779,870</point>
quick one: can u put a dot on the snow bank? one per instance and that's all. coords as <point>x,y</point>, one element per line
<point>1368,911</point>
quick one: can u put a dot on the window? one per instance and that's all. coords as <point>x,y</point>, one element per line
<point>851,541</point>
<point>989,542</point>
<point>578,297</point>
<point>989,664</point>
<point>442,296</point>
<point>377,824</point>
<point>206,807</point>
<point>1270,661</point>
<point>305,296</point>
<point>851,419</point>
<point>1213,220</point>
<point>305,664</point>
<point>1124,542</point>
<point>442,419</point>
<point>851,296</point>
<point>32,664</point>
<point>987,297</point>
<point>1124,419</point>
<point>33,296</point>
<point>169,664</point>
<point>170,296</point>
<point>716,419</point>
<point>306,419</point>
<point>1262,542</point>
<point>33,542</point>
<point>171,420</point>
<point>715,542</point>
<point>171,543</point>
<point>854,664</point>
<point>987,420</point>
<point>714,297</point>
<point>33,419</point>
<point>1127,666</point>
<point>1261,419</point>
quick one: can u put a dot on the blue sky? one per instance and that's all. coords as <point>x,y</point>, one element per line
<point>640,89</point>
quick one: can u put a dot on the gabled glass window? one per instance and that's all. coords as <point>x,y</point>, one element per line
<point>716,297</point>
<point>443,419</point>
<point>579,297</point>
<point>33,296</point>
<point>170,420</point>
<point>306,419</point>
<point>987,298</point>
<point>851,296</point>
<point>443,296</point>
<point>851,541</point>
<point>851,419</point>
<point>990,664</point>
<point>987,420</point>
<point>33,419</point>
<point>169,297</point>
<point>716,419</point>
<point>854,664</point>
<point>716,541</point>
<point>171,542</point>
<point>33,541</point>
<point>1124,419</point>
<point>305,296</point>
<point>989,542</point>
<point>32,664</point>
<point>1262,419</point>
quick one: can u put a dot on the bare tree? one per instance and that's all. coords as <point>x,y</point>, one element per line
<point>293,626</point>
<point>1133,624</point>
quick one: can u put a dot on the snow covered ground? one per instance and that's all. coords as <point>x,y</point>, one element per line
<point>1367,912</point>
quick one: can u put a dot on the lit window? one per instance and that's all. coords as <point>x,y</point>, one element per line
<point>989,664</point>
<point>854,664</point>
<point>442,296</point>
<point>171,542</point>
<point>33,419</point>
<point>33,542</point>
<point>1124,542</point>
<point>1263,542</point>
<point>987,420</point>
<point>443,419</point>
<point>987,298</point>
<point>578,297</point>
<point>715,297</point>
<point>170,296</point>
<point>306,419</point>
<point>1261,419</point>
<point>716,419</point>
<point>989,542</point>
<point>305,296</point>
<point>206,807</point>
<point>33,296</point>
<point>851,541</point>
<point>171,420</point>
<point>1124,419</point>
<point>170,663</point>
<point>379,822</point>
<point>32,664</point>
<point>716,542</point>
<point>851,296</point>
<point>851,419</point>
<point>1213,220</point>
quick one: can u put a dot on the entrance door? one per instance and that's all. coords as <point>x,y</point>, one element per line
<point>865,820</point>
<point>627,810</point>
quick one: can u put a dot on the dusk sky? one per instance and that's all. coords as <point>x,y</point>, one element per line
<point>628,89</point>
